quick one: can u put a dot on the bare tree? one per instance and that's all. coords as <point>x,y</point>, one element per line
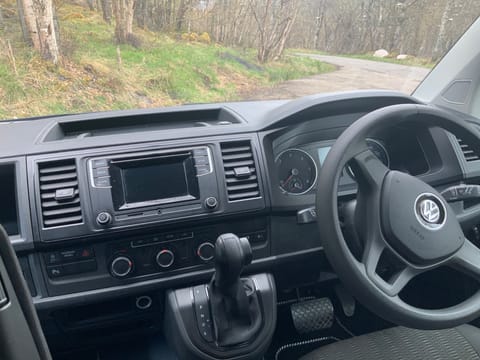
<point>106,10</point>
<point>40,27</point>
<point>274,20</point>
<point>123,11</point>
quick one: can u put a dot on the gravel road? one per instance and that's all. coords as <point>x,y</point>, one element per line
<point>351,74</point>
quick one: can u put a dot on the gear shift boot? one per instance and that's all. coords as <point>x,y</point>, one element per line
<point>238,318</point>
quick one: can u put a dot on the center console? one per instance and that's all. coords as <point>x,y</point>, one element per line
<point>122,215</point>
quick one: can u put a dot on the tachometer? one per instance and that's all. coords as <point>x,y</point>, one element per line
<point>297,171</point>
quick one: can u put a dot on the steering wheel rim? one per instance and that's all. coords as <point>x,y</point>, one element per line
<point>459,253</point>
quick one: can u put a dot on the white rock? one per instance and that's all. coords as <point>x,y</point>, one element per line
<point>381,53</point>
<point>402,57</point>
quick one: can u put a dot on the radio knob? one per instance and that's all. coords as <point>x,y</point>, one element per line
<point>104,218</point>
<point>165,258</point>
<point>211,203</point>
<point>121,266</point>
<point>206,251</point>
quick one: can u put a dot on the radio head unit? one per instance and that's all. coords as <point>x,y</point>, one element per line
<point>152,186</point>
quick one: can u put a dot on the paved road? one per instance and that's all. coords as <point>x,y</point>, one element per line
<point>351,74</point>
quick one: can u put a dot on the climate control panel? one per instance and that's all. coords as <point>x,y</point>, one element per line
<point>161,253</point>
<point>156,254</point>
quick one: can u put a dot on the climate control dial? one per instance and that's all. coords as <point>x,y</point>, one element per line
<point>121,266</point>
<point>165,258</point>
<point>206,251</point>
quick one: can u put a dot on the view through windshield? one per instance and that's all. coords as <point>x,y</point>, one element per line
<point>71,56</point>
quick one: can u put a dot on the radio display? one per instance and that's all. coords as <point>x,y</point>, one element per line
<point>155,180</point>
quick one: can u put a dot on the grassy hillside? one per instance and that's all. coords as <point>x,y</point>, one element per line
<point>162,70</point>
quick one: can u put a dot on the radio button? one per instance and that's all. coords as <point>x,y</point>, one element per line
<point>100,172</point>
<point>102,181</point>
<point>99,163</point>
<point>104,218</point>
<point>211,203</point>
<point>165,258</point>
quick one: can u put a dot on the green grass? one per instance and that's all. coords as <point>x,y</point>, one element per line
<point>162,71</point>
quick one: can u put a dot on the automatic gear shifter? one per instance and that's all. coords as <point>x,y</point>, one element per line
<point>228,318</point>
<point>234,303</point>
<point>231,255</point>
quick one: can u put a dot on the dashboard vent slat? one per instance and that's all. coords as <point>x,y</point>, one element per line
<point>55,176</point>
<point>468,153</point>
<point>240,170</point>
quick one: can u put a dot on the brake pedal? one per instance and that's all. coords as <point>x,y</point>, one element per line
<point>312,315</point>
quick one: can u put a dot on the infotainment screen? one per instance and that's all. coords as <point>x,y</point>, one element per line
<point>153,180</point>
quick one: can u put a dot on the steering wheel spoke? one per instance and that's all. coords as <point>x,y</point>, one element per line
<point>467,259</point>
<point>369,171</point>
<point>371,259</point>
<point>467,217</point>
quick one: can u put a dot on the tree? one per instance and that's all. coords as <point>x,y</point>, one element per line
<point>123,11</point>
<point>40,27</point>
<point>274,19</point>
<point>106,10</point>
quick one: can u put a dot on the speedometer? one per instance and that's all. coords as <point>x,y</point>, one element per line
<point>297,171</point>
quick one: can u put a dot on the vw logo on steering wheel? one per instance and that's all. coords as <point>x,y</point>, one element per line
<point>430,211</point>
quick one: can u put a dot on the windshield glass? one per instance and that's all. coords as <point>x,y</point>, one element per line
<point>61,56</point>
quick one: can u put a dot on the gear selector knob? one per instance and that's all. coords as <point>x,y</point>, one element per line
<point>231,255</point>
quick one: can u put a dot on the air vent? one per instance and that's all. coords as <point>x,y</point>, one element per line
<point>240,170</point>
<point>60,200</point>
<point>468,153</point>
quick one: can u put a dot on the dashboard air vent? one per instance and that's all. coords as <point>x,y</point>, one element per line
<point>468,153</point>
<point>59,196</point>
<point>240,170</point>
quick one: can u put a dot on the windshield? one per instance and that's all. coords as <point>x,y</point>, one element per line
<point>61,57</point>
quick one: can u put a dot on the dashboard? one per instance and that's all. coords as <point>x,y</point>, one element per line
<point>100,206</point>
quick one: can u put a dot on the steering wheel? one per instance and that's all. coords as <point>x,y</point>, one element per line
<point>399,213</point>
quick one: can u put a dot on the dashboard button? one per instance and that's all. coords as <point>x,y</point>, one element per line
<point>104,218</point>
<point>258,237</point>
<point>170,236</point>
<point>99,163</point>
<point>211,203</point>
<point>140,242</point>
<point>100,172</point>
<point>185,235</point>
<point>53,258</point>
<point>55,271</point>
<point>86,253</point>
<point>102,181</point>
<point>68,255</point>
<point>80,267</point>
